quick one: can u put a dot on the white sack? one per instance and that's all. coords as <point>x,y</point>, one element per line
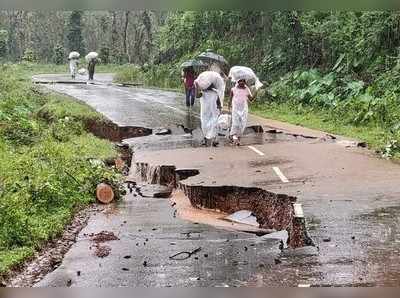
<point>82,71</point>
<point>238,73</point>
<point>224,121</point>
<point>74,55</point>
<point>207,78</point>
<point>91,56</point>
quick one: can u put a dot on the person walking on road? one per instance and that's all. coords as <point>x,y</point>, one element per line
<point>240,95</point>
<point>188,80</point>
<point>92,59</point>
<point>91,68</point>
<point>73,59</point>
<point>209,114</point>
<point>73,67</point>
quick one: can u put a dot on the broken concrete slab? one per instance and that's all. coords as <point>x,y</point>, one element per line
<point>244,217</point>
<point>154,191</point>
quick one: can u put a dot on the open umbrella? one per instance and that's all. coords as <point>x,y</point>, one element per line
<point>193,63</point>
<point>210,57</point>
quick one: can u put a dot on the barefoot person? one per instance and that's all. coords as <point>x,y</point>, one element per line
<point>240,95</point>
<point>209,113</point>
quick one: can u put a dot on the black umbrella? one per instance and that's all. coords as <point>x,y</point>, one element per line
<point>193,63</point>
<point>210,57</point>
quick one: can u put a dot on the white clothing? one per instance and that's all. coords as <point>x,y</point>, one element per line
<point>240,110</point>
<point>209,114</point>
<point>73,67</point>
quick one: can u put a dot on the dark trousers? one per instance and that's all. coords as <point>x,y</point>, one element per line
<point>190,97</point>
<point>91,68</point>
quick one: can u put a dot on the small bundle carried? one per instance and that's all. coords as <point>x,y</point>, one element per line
<point>91,56</point>
<point>74,55</point>
<point>208,78</point>
<point>238,73</point>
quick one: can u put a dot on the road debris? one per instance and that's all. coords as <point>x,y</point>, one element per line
<point>103,236</point>
<point>184,255</point>
<point>102,251</point>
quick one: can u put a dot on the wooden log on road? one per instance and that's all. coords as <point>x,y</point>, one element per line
<point>104,193</point>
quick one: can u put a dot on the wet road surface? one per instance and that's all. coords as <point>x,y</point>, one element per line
<point>149,235</point>
<point>350,199</point>
<point>124,106</point>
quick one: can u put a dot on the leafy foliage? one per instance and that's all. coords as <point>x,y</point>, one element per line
<point>50,166</point>
<point>59,54</point>
<point>3,43</point>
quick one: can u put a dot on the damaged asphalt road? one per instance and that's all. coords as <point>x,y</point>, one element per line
<point>149,237</point>
<point>348,195</point>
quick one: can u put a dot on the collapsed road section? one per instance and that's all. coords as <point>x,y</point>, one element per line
<point>273,211</point>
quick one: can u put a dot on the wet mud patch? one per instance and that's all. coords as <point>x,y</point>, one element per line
<point>102,251</point>
<point>102,237</point>
<point>52,254</point>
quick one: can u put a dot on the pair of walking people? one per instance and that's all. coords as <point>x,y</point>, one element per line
<point>74,61</point>
<point>211,103</point>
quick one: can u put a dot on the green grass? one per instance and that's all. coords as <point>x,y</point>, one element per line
<point>375,136</point>
<point>60,106</point>
<point>50,166</point>
<point>26,70</point>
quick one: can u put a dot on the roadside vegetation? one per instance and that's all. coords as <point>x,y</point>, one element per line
<point>49,164</point>
<point>335,71</point>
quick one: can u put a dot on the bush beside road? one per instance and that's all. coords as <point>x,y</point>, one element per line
<point>46,161</point>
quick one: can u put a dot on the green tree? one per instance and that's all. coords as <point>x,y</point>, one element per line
<point>105,54</point>
<point>74,35</point>
<point>59,54</point>
<point>3,43</point>
<point>29,56</point>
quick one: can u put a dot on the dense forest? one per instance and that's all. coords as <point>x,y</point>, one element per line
<point>47,37</point>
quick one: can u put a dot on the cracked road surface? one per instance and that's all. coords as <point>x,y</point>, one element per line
<point>350,199</point>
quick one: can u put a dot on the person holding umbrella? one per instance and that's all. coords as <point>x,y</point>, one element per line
<point>215,61</point>
<point>190,68</point>
<point>188,77</point>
